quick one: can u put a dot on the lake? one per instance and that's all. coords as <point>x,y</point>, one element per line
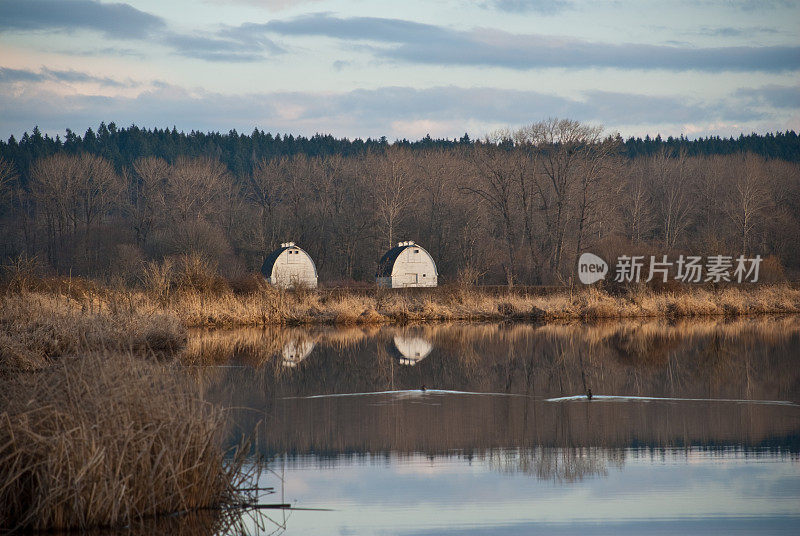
<point>693,426</point>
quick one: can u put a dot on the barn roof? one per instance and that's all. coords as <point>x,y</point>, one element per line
<point>387,261</point>
<point>269,262</point>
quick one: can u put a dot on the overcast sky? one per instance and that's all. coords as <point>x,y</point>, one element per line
<point>362,68</point>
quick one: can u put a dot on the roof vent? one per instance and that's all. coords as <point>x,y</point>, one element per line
<point>290,244</point>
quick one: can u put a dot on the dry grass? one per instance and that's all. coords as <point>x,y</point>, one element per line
<point>265,305</point>
<point>37,327</point>
<point>98,441</point>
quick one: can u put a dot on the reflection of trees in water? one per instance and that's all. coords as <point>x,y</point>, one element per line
<point>748,358</point>
<point>558,464</point>
<point>258,346</point>
<point>439,425</point>
<point>702,358</point>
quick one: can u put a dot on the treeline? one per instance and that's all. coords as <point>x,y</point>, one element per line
<point>241,152</point>
<point>517,207</point>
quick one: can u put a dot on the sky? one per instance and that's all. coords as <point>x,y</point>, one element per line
<point>368,68</point>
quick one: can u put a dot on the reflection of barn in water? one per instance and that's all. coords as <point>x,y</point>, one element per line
<point>411,349</point>
<point>295,351</point>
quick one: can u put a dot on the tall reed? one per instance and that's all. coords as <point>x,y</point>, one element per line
<point>36,327</point>
<point>102,441</point>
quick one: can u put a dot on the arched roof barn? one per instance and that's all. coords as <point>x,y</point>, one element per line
<point>407,265</point>
<point>290,266</point>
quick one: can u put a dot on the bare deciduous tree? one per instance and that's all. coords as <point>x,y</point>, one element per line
<point>265,188</point>
<point>637,206</point>
<point>97,190</point>
<point>596,188</point>
<point>566,149</point>
<point>8,174</point>
<point>393,189</point>
<point>194,188</point>
<point>150,176</point>
<point>194,196</point>
<point>673,189</point>
<point>747,198</point>
<point>495,182</point>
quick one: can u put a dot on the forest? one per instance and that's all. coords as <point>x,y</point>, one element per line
<point>515,207</point>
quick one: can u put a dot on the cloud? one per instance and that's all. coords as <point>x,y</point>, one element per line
<point>412,42</point>
<point>732,31</point>
<point>219,49</point>
<point>105,51</point>
<point>340,65</point>
<point>396,112</point>
<point>543,7</point>
<point>783,97</point>
<point>754,5</point>
<point>121,21</point>
<point>8,75</point>
<point>354,28</point>
<point>617,108</point>
<point>272,5</point>
<point>113,20</point>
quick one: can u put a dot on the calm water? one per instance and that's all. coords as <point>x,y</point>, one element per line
<point>693,427</point>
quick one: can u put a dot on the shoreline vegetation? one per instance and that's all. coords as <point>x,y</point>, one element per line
<point>110,440</point>
<point>42,319</point>
<point>448,304</point>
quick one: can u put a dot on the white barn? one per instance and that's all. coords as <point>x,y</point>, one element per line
<point>290,266</point>
<point>407,265</point>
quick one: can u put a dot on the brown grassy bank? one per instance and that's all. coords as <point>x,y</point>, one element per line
<point>103,441</point>
<point>37,327</point>
<point>144,320</point>
<point>280,307</point>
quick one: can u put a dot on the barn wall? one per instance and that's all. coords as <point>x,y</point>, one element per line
<point>294,269</point>
<point>414,267</point>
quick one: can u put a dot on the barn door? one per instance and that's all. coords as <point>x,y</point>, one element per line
<point>411,279</point>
